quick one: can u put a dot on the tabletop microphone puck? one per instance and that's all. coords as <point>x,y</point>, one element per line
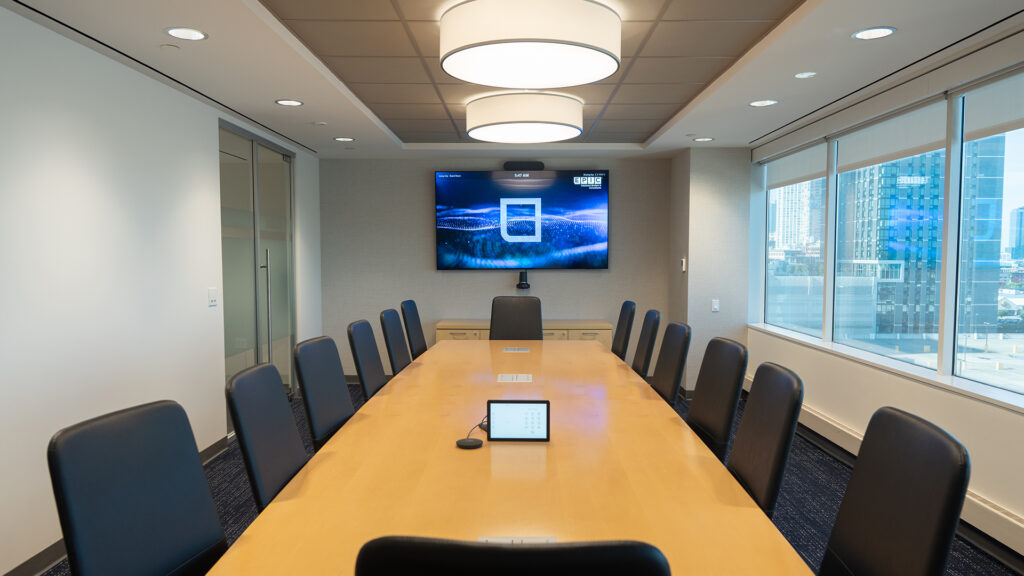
<point>469,443</point>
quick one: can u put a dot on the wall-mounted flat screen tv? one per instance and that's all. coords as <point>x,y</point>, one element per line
<point>522,220</point>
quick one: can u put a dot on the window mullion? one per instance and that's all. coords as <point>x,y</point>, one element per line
<point>829,249</point>
<point>950,234</point>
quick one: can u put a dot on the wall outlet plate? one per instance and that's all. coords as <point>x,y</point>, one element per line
<point>211,297</point>
<point>716,305</point>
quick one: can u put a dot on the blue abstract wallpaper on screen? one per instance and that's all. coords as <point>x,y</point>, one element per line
<point>537,219</point>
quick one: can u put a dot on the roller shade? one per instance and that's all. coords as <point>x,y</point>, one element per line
<point>915,132</point>
<point>800,167</point>
<point>994,109</point>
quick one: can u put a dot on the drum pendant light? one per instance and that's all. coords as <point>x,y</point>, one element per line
<point>524,118</point>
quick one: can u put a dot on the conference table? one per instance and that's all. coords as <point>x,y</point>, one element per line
<point>620,464</point>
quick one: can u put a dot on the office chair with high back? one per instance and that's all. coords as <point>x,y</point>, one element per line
<point>645,343</point>
<point>903,501</point>
<point>324,390</point>
<point>620,340</point>
<point>413,328</point>
<point>394,340</point>
<point>267,435</point>
<point>668,372</point>
<point>516,318</point>
<point>759,451</point>
<point>396,555</point>
<point>131,494</point>
<point>717,393</point>
<point>367,357</point>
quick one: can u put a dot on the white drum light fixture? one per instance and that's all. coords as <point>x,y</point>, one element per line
<point>524,118</point>
<point>531,44</point>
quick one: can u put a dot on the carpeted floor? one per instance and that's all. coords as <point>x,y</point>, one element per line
<point>811,491</point>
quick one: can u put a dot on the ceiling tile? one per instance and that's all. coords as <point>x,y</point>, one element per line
<point>449,137</point>
<point>730,9</point>
<point>332,9</point>
<point>418,125</point>
<point>425,9</point>
<point>462,93</point>
<point>688,38</point>
<point>439,75</point>
<point>334,38</point>
<point>636,9</point>
<point>639,111</point>
<point>590,93</point>
<point>396,93</point>
<point>618,137</point>
<point>646,126</point>
<point>404,111</point>
<point>590,111</point>
<point>677,94</point>
<point>405,70</point>
<point>673,70</point>
<point>633,33</point>
<point>614,78</point>
<point>428,38</point>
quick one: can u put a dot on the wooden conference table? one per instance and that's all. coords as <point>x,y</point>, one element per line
<point>621,464</point>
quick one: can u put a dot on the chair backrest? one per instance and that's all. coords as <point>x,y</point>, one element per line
<point>759,451</point>
<point>131,494</point>
<point>392,555</point>
<point>266,430</point>
<point>324,391</point>
<point>645,343</point>
<point>367,357</point>
<point>516,318</point>
<point>413,328</point>
<point>668,372</point>
<point>620,341</point>
<point>903,501</point>
<point>394,340</point>
<point>717,393</point>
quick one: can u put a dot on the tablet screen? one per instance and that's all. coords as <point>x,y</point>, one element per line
<point>521,420</point>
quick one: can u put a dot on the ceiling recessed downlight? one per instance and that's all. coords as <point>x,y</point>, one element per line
<point>763,103</point>
<point>534,44</point>
<point>344,139</point>
<point>703,139</point>
<point>289,102</point>
<point>874,33</point>
<point>186,33</point>
<point>805,75</point>
<point>524,118</point>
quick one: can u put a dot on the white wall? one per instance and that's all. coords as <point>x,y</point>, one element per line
<point>109,238</point>
<point>377,221</point>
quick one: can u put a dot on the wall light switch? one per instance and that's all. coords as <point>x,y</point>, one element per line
<point>682,265</point>
<point>715,305</point>
<point>211,297</point>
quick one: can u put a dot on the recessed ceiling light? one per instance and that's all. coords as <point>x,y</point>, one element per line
<point>874,33</point>
<point>524,118</point>
<point>289,102</point>
<point>186,33</point>
<point>345,139</point>
<point>763,103</point>
<point>805,75</point>
<point>703,139</point>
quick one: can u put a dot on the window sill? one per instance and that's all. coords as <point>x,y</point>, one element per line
<point>953,384</point>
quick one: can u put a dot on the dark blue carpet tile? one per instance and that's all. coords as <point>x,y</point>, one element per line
<point>808,501</point>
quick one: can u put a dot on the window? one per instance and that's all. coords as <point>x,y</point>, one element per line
<point>889,188</point>
<point>990,288</point>
<point>795,267</point>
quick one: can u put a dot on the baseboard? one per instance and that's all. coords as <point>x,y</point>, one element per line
<point>215,449</point>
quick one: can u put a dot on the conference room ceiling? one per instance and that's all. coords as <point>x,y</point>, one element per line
<point>387,52</point>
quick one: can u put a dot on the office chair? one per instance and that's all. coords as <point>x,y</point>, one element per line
<point>395,555</point>
<point>266,431</point>
<point>324,391</point>
<point>759,451</point>
<point>413,328</point>
<point>903,502</point>
<point>394,340</point>
<point>620,341</point>
<point>645,343</point>
<point>131,494</point>
<point>367,357</point>
<point>717,393</point>
<point>516,318</point>
<point>668,372</point>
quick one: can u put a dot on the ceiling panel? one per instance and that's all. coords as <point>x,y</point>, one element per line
<point>332,9</point>
<point>656,93</point>
<point>428,37</point>
<point>396,93</point>
<point>637,9</point>
<point>345,38</point>
<point>379,70</point>
<point>718,38</point>
<point>648,126</point>
<point>402,111</point>
<point>424,9</point>
<point>674,70</point>
<point>639,111</point>
<point>633,33</point>
<point>419,125</point>
<point>728,10</point>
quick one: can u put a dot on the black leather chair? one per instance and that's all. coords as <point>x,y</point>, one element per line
<point>324,391</point>
<point>668,372</point>
<point>620,341</point>
<point>645,343</point>
<point>717,393</point>
<point>367,357</point>
<point>266,431</point>
<point>394,340</point>
<point>403,555</point>
<point>761,446</point>
<point>131,494</point>
<point>903,501</point>
<point>516,318</point>
<point>413,328</point>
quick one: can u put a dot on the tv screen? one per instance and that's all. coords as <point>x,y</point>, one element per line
<point>522,220</point>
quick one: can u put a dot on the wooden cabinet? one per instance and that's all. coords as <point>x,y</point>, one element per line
<point>475,329</point>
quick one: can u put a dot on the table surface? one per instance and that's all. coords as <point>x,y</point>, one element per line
<point>621,464</point>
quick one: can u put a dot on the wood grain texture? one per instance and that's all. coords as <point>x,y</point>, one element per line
<point>621,464</point>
